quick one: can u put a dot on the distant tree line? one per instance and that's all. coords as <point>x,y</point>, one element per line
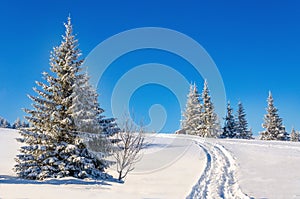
<point>16,125</point>
<point>200,119</point>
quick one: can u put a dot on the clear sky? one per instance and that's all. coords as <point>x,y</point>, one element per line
<point>255,45</point>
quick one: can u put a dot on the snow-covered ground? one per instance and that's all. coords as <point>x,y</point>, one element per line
<point>169,169</point>
<point>176,167</point>
<point>267,169</point>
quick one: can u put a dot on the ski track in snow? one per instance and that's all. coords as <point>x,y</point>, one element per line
<point>218,178</point>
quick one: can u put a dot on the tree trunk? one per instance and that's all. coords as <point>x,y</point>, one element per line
<point>120,175</point>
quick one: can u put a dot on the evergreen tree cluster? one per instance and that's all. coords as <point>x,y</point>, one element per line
<point>236,127</point>
<point>16,125</point>
<point>200,119</point>
<point>199,116</point>
<point>4,123</point>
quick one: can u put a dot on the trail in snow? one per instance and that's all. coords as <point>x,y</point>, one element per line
<point>218,178</point>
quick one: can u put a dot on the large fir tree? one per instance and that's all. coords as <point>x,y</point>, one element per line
<point>242,130</point>
<point>52,147</point>
<point>210,126</point>
<point>192,115</point>
<point>229,129</point>
<point>274,129</point>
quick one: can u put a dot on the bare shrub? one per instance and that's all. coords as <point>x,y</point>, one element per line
<point>128,148</point>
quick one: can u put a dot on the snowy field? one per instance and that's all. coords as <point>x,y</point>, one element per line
<point>267,169</point>
<point>176,167</point>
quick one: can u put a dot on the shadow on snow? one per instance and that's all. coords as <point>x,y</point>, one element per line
<point>6,179</point>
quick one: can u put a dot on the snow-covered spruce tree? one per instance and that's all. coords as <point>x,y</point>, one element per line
<point>4,123</point>
<point>242,124</point>
<point>7,124</point>
<point>210,126</point>
<point>294,136</point>
<point>229,129</point>
<point>191,122</point>
<point>274,129</point>
<point>250,134</point>
<point>17,124</point>
<point>51,145</point>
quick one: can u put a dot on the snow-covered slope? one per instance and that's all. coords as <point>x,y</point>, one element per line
<point>267,169</point>
<point>169,169</point>
<point>176,167</point>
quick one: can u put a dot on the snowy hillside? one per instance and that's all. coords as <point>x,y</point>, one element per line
<point>267,169</point>
<point>176,167</point>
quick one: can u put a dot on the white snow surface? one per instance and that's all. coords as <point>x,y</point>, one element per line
<point>175,166</point>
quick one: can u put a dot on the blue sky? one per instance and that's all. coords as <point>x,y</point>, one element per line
<point>255,45</point>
